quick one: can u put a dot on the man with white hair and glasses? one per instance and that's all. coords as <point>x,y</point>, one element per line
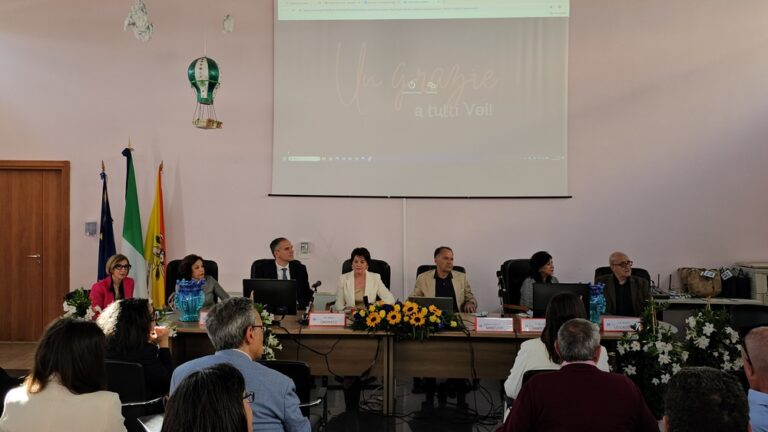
<point>625,295</point>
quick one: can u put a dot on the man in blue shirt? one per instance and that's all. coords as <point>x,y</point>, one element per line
<point>755,355</point>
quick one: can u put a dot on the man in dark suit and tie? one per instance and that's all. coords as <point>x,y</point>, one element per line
<point>284,267</point>
<point>579,397</point>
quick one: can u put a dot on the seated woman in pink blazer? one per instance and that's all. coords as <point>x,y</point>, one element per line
<point>116,286</point>
<point>359,284</point>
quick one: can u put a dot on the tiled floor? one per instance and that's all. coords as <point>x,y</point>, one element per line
<point>484,414</point>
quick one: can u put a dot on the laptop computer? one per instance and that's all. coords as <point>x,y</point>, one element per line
<point>445,304</point>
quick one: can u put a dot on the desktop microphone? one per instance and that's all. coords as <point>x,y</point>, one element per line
<point>315,285</point>
<point>305,318</point>
<point>501,292</point>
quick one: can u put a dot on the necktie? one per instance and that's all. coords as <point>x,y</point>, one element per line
<point>285,273</point>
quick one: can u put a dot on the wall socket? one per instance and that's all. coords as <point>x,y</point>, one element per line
<point>90,228</point>
<point>304,248</point>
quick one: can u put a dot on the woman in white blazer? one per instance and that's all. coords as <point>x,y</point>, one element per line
<point>65,390</point>
<point>360,284</point>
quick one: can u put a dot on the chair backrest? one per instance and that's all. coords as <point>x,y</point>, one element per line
<point>428,267</point>
<point>375,266</point>
<point>298,372</point>
<point>513,272</point>
<point>745,317</point>
<point>172,274</point>
<point>127,380</point>
<point>531,373</point>
<point>636,271</point>
<point>7,383</point>
<point>259,264</point>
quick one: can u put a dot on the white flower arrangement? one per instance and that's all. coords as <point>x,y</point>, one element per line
<point>271,342</point>
<point>711,342</point>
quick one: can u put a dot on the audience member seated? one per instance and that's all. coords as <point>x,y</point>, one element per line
<point>286,267</point>
<point>579,397</point>
<point>359,284</point>
<point>65,391</point>
<point>625,295</point>
<point>116,286</point>
<point>211,399</point>
<point>702,399</point>
<point>755,356</point>
<point>540,353</point>
<point>443,281</point>
<point>237,334</point>
<point>542,271</point>
<point>133,337</point>
<point>191,268</point>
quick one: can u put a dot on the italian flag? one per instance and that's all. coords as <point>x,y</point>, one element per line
<point>133,244</point>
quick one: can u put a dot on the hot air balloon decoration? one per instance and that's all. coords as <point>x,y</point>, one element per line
<point>203,74</point>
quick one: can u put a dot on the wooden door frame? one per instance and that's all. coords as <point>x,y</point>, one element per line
<point>55,274</point>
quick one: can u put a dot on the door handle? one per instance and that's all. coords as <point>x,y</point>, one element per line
<point>34,256</point>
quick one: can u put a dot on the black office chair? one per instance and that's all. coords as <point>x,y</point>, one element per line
<point>172,274</point>
<point>745,317</point>
<point>302,378</point>
<point>511,276</point>
<point>526,376</point>
<point>127,380</point>
<point>7,383</point>
<point>375,266</point>
<point>636,271</point>
<point>428,267</point>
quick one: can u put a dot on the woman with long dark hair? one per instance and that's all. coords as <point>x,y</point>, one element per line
<point>133,337</point>
<point>540,353</point>
<point>212,399</point>
<point>65,391</point>
<point>192,268</point>
<point>542,271</point>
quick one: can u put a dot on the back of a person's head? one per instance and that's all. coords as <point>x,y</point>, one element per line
<point>208,400</point>
<point>578,340</point>
<point>561,308</point>
<point>228,321</point>
<point>72,351</point>
<point>126,324</point>
<point>702,399</point>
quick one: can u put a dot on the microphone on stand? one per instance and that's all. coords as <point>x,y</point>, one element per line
<point>502,291</point>
<point>305,319</point>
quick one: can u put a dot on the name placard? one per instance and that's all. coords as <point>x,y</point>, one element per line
<point>619,324</point>
<point>203,317</point>
<point>484,324</point>
<point>535,325</point>
<point>327,319</point>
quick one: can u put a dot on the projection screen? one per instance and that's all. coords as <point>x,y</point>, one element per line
<point>420,98</point>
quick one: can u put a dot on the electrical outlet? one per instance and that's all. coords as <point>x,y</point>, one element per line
<point>90,228</point>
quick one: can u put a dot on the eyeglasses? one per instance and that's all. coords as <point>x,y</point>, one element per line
<point>624,264</point>
<point>249,396</point>
<point>123,267</point>
<point>263,328</point>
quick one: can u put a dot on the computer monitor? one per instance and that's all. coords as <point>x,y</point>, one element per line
<point>279,296</point>
<point>445,304</point>
<point>543,293</point>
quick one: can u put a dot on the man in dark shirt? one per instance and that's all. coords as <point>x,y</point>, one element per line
<point>625,295</point>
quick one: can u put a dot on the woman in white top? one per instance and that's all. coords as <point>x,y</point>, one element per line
<point>65,390</point>
<point>542,270</point>
<point>359,285</point>
<point>540,353</point>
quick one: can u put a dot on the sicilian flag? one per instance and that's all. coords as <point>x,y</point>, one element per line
<point>132,246</point>
<point>106,234</point>
<point>154,246</point>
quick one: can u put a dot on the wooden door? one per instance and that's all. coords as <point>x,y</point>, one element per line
<point>34,246</point>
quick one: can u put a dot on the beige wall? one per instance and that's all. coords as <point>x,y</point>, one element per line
<point>667,141</point>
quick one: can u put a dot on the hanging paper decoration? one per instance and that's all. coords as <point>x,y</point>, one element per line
<point>203,74</point>
<point>138,21</point>
<point>228,25</point>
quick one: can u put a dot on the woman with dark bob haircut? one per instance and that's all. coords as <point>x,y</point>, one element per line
<point>359,284</point>
<point>540,353</point>
<point>212,399</point>
<point>65,389</point>
<point>192,268</point>
<point>542,270</point>
<point>133,337</point>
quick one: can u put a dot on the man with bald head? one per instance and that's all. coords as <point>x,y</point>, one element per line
<point>755,355</point>
<point>625,295</point>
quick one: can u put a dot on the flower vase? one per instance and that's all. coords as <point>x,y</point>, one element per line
<point>596,302</point>
<point>189,299</point>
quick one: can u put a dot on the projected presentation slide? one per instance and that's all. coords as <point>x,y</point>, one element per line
<point>422,98</point>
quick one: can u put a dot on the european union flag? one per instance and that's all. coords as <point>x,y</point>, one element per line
<point>106,235</point>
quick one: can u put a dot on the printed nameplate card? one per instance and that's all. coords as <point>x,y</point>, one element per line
<point>327,319</point>
<point>203,317</point>
<point>619,324</point>
<point>494,324</point>
<point>535,325</point>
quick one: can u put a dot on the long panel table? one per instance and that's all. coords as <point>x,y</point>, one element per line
<point>345,352</point>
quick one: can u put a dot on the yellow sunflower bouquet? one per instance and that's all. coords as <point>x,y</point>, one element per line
<point>406,320</point>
